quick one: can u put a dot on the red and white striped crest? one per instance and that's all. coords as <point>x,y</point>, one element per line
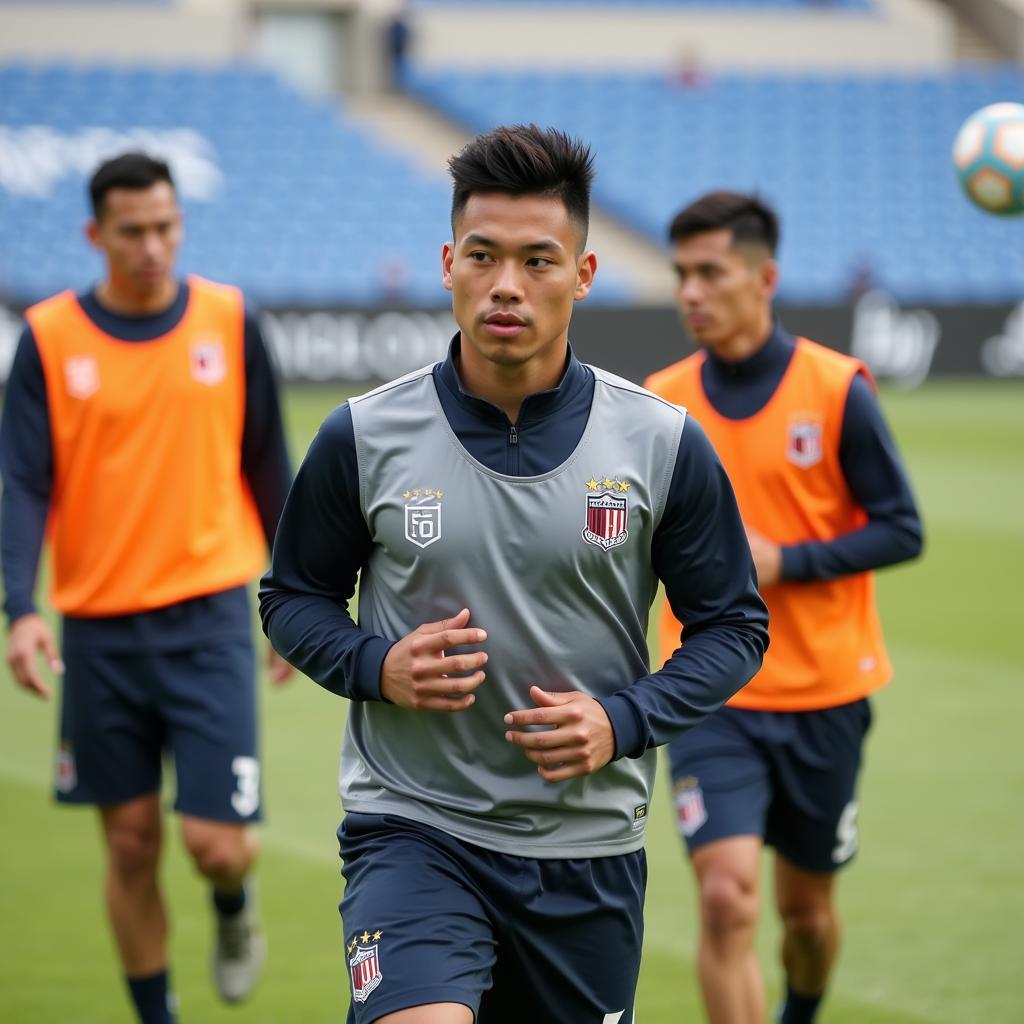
<point>804,448</point>
<point>209,365</point>
<point>606,520</point>
<point>364,966</point>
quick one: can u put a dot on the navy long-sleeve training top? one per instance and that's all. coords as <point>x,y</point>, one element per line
<point>699,551</point>
<point>867,456</point>
<point>26,465</point>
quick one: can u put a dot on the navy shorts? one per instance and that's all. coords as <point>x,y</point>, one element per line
<point>788,777</point>
<point>430,919</point>
<point>120,713</point>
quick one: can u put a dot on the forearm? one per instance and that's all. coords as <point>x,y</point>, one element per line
<point>877,544</point>
<point>700,677</point>
<point>319,637</point>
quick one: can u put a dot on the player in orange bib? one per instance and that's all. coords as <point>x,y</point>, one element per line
<point>142,432</point>
<point>825,501</point>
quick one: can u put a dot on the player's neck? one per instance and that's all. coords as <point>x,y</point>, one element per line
<point>120,298</point>
<point>507,387</point>
<point>745,343</point>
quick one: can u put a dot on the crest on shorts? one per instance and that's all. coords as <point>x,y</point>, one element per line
<point>803,447</point>
<point>690,806</point>
<point>364,964</point>
<point>81,376</point>
<point>208,364</point>
<point>67,776</point>
<point>607,513</point>
<point>423,515</point>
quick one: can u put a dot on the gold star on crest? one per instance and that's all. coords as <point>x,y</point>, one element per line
<point>352,946</point>
<point>438,494</point>
<point>608,484</point>
<point>416,492</point>
<point>365,937</point>
<point>377,934</point>
<point>407,494</point>
<point>623,485</point>
<point>591,484</point>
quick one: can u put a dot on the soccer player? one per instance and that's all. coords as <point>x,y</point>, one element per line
<point>509,511</point>
<point>825,500</point>
<point>142,421</point>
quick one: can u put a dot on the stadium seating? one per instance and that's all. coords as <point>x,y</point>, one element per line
<point>859,166</point>
<point>283,195</point>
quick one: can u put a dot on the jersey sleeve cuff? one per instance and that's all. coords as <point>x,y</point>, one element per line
<point>795,562</point>
<point>17,608</point>
<point>366,678</point>
<point>626,728</point>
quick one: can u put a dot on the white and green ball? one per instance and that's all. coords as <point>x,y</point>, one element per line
<point>989,157</point>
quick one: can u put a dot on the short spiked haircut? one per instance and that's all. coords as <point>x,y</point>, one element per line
<point>751,221</point>
<point>129,170</point>
<point>524,160</point>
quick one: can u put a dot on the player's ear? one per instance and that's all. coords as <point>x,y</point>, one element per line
<point>92,233</point>
<point>447,255</point>
<point>586,268</point>
<point>769,273</point>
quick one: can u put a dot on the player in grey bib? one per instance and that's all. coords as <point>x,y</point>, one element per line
<point>555,568</point>
<point>509,513</point>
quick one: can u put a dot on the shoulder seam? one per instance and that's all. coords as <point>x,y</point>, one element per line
<point>383,389</point>
<point>642,392</point>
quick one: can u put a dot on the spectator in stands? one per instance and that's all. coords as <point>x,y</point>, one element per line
<point>397,38</point>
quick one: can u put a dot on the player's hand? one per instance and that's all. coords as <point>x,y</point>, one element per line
<point>29,635</point>
<point>279,669</point>
<point>417,673</point>
<point>767,557</point>
<point>581,742</point>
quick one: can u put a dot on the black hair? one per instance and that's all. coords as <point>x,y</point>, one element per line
<point>129,170</point>
<point>748,218</point>
<point>521,160</point>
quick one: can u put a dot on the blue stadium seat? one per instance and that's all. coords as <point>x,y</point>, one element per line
<point>859,166</point>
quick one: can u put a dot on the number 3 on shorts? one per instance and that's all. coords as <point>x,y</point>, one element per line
<point>246,797</point>
<point>847,834</point>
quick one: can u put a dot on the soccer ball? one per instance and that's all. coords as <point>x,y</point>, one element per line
<point>989,157</point>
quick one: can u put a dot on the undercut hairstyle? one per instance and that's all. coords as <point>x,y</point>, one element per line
<point>129,170</point>
<point>524,160</point>
<point>751,221</point>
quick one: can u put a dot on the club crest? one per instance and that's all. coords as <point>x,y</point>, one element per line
<point>423,515</point>
<point>208,364</point>
<point>607,513</point>
<point>364,965</point>
<point>81,376</point>
<point>690,806</point>
<point>67,777</point>
<point>803,448</point>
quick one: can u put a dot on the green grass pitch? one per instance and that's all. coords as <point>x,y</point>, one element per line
<point>933,905</point>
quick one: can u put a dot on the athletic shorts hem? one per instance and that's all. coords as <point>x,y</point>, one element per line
<point>79,799</point>
<point>697,841</point>
<point>224,818</point>
<point>405,999</point>
<point>804,863</point>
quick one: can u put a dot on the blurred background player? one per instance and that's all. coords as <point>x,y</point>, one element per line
<point>543,498</point>
<point>142,419</point>
<point>825,500</point>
